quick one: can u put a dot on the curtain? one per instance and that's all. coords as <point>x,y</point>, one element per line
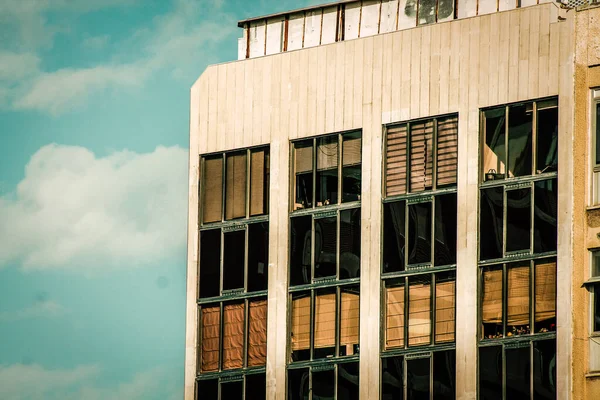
<point>213,189</point>
<point>447,150</point>
<point>518,296</point>
<point>233,336</point>
<point>419,313</point>
<point>235,186</point>
<point>491,312</point>
<point>545,291</point>
<point>324,320</point>
<point>301,323</point>
<point>349,321</point>
<point>211,322</point>
<point>444,311</point>
<point>396,148</point>
<point>421,156</point>
<point>394,317</point>
<point>257,333</point>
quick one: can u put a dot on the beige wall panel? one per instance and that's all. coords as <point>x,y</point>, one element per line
<point>242,46</point>
<point>389,16</point>
<point>338,122</point>
<point>238,124</point>
<point>257,102</point>
<point>358,82</point>
<point>248,100</point>
<point>348,119</point>
<point>453,84</point>
<point>543,51</point>
<point>424,71</point>
<point>295,31</point>
<point>257,39</point>
<point>274,36</point>
<point>467,8</point>
<point>504,5</point>
<point>434,70</point>
<point>213,98</point>
<point>321,87</point>
<point>230,95</point>
<point>415,67</point>
<point>485,47</point>
<point>264,112</point>
<point>276,103</point>
<point>222,112</point>
<point>351,20</point>
<point>397,72</point>
<point>487,7</point>
<point>331,73</point>
<point>312,82</point>
<point>553,60</point>
<point>527,3</point>
<point>407,14</point>
<point>369,22</point>
<point>302,94</point>
<point>493,59</point>
<point>534,47</point>
<point>386,79</point>
<point>312,28</point>
<point>503,52</point>
<point>294,87</point>
<point>524,54</point>
<point>405,98</point>
<point>513,56</point>
<point>474,44</point>
<point>329,29</point>
<point>202,116</point>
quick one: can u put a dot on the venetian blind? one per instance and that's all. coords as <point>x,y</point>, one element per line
<point>545,291</point>
<point>351,150</point>
<point>491,312</point>
<point>421,156</point>
<point>447,150</point>
<point>233,336</point>
<point>235,186</point>
<point>303,157</point>
<point>327,153</point>
<point>324,320</point>
<point>396,152</point>
<point>211,317</point>
<point>300,331</point>
<point>258,182</point>
<point>444,311</point>
<point>213,189</point>
<point>394,318</point>
<point>419,314</point>
<point>349,321</point>
<point>257,333</point>
<point>518,296</point>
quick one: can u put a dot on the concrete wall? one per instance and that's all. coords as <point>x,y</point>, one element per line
<point>458,66</point>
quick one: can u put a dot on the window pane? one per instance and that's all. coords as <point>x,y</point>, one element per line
<point>544,369</point>
<point>347,385</point>
<point>300,252</point>
<point>518,219</point>
<point>393,236</point>
<point>547,140</point>
<point>545,295</point>
<point>300,329</point>
<point>596,308</point>
<point>256,387</point>
<point>298,384</point>
<point>233,259</point>
<point>350,243</point>
<point>445,230</point>
<point>210,258</point>
<point>494,151</point>
<point>417,379</point>
<point>491,303</point>
<point>394,317</point>
<point>257,333</point>
<point>259,181</point>
<point>520,124</point>
<point>419,233</point>
<point>349,321</point>
<point>419,311</point>
<point>323,384</point>
<point>518,367</point>
<point>596,264</point>
<point>235,186</point>
<point>351,156</point>
<point>597,133</point>
<point>392,378</point>
<point>427,11</point>
<point>545,216</point>
<point>325,247</point>
<point>445,304</point>
<point>213,189</point>
<point>447,150</point>
<point>232,390</point>
<point>518,299</point>
<point>303,156</point>
<point>258,256</point>
<point>421,156</point>
<point>233,335</point>
<point>208,389</point>
<point>396,159</point>
<point>491,223</point>
<point>490,373</point>
<point>444,375</point>
<point>209,341</point>
<point>327,170</point>
<point>325,324</point>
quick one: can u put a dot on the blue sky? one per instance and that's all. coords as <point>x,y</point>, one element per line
<point>94,111</point>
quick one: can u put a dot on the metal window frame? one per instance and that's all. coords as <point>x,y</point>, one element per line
<point>223,378</point>
<point>325,365</point>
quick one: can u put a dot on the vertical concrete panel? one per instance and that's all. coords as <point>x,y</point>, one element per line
<point>467,8</point>
<point>505,5</point>
<point>389,16</point>
<point>487,7</point>
<point>348,119</point>
<point>369,23</point>
<point>257,39</point>
<point>295,31</point>
<point>523,84</point>
<point>274,36</point>
<point>312,28</point>
<point>351,20</point>
<point>330,21</point>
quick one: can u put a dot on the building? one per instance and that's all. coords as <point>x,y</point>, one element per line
<point>398,199</point>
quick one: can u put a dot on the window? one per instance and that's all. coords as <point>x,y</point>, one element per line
<point>593,286</point>
<point>595,113</point>
<point>324,269</point>
<point>233,259</point>
<point>517,250</point>
<point>419,259</point>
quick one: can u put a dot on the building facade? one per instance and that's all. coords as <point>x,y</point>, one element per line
<point>397,199</point>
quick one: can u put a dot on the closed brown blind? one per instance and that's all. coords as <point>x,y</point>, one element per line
<point>235,186</point>
<point>351,150</point>
<point>518,296</point>
<point>258,183</point>
<point>421,156</point>
<point>213,189</point>
<point>325,320</point>
<point>545,291</point>
<point>301,323</point>
<point>303,156</point>
<point>419,314</point>
<point>327,153</point>
<point>491,312</point>
<point>444,311</point>
<point>257,333</point>
<point>233,336</point>
<point>349,321</point>
<point>394,319</point>
<point>211,317</point>
<point>396,153</point>
<point>447,150</point>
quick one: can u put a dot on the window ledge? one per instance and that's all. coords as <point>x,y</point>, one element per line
<point>593,375</point>
<point>593,207</point>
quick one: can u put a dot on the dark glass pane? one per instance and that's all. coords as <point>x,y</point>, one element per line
<point>325,247</point>
<point>419,233</point>
<point>597,133</point>
<point>544,222</point>
<point>596,264</point>
<point>324,323</point>
<point>393,236</point>
<point>349,320</point>
<point>208,389</point>
<point>518,370</point>
<point>445,230</point>
<point>547,140</point>
<point>300,250</point>
<point>520,124</point>
<point>256,387</point>
<point>596,308</point>
<point>494,153</point>
<point>323,385</point>
<point>427,11</point>
<point>258,256</point>
<point>417,379</point>
<point>491,302</point>
<point>392,378</point>
<point>300,326</point>
<point>444,375</point>
<point>350,243</point>
<point>233,259</point>
<point>327,170</point>
<point>210,256</point>
<point>518,219</point>
<point>351,170</point>
<point>298,384</point>
<point>490,373</point>
<point>232,390</point>
<point>491,223</point>
<point>303,170</point>
<point>347,386</point>
<point>544,369</point>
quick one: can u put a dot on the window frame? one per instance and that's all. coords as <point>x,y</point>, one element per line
<point>594,198</point>
<point>225,378</point>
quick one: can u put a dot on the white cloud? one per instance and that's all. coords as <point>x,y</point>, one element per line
<point>96,42</point>
<point>15,66</point>
<point>41,309</point>
<point>76,211</point>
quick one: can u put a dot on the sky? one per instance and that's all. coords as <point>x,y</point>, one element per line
<point>94,133</point>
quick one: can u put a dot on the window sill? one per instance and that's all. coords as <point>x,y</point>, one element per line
<point>593,375</point>
<point>593,207</point>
